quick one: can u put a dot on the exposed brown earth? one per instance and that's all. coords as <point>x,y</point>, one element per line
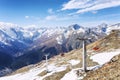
<point>109,71</point>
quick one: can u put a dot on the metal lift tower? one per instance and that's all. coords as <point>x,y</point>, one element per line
<point>84,53</point>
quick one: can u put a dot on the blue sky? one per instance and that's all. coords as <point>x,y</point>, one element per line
<point>52,13</point>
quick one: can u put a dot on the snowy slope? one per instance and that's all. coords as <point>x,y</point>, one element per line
<point>100,58</point>
<point>32,74</point>
<point>113,27</point>
<point>70,76</point>
<point>104,57</point>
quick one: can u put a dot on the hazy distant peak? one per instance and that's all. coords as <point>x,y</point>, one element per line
<point>75,26</point>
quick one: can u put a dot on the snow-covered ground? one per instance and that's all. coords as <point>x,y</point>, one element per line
<point>70,76</point>
<point>74,62</point>
<point>101,58</point>
<point>53,68</point>
<point>32,74</point>
<point>104,57</point>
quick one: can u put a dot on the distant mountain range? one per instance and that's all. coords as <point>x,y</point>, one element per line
<point>103,60</point>
<point>27,45</point>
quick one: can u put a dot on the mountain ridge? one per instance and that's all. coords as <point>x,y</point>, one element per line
<point>61,67</point>
<point>36,42</point>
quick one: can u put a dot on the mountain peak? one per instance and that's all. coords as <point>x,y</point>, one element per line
<point>75,26</point>
<point>3,24</point>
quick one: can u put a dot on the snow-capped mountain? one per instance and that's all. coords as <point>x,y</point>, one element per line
<point>28,45</point>
<point>101,64</point>
<point>113,27</point>
<point>14,39</point>
<point>11,33</point>
<point>14,36</point>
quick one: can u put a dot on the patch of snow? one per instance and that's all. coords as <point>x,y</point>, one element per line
<point>33,73</point>
<point>74,62</point>
<point>3,40</point>
<point>94,67</point>
<point>27,33</point>
<point>31,34</point>
<point>59,69</point>
<point>104,57</point>
<point>48,74</point>
<point>59,39</point>
<point>30,75</point>
<point>53,68</point>
<point>113,27</point>
<point>67,34</point>
<point>81,31</point>
<point>70,76</point>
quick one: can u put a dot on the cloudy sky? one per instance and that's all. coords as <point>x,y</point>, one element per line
<point>52,13</point>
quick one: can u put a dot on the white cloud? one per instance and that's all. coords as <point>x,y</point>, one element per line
<point>61,18</point>
<point>27,17</point>
<point>51,17</point>
<point>50,11</point>
<point>76,4</point>
<point>32,18</point>
<point>90,5</point>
